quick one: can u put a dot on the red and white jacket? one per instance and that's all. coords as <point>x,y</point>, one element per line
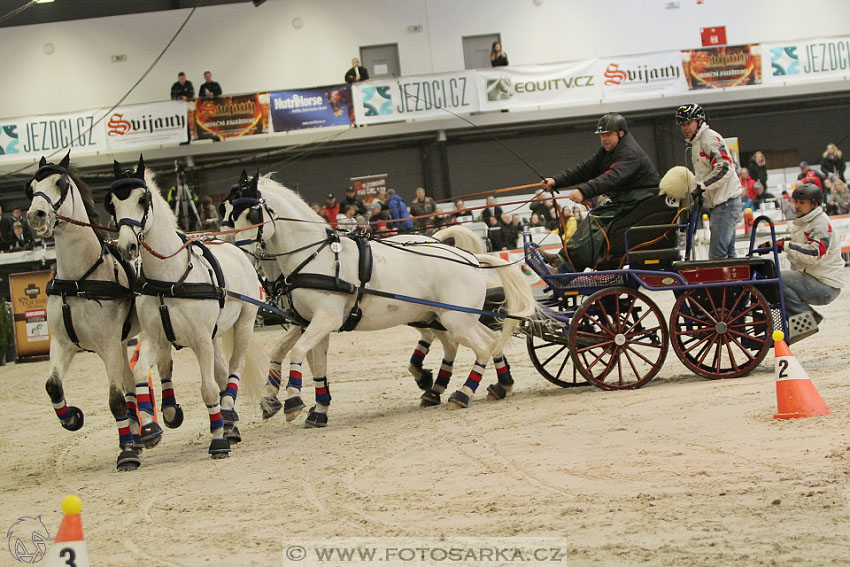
<point>713,167</point>
<point>814,248</point>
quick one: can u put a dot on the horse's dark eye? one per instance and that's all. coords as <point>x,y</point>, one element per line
<point>142,200</point>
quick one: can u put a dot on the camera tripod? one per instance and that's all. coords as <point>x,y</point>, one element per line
<point>184,203</point>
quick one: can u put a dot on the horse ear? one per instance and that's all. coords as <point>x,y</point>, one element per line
<point>107,203</point>
<point>256,180</point>
<point>43,162</point>
<point>116,170</point>
<point>243,177</point>
<point>140,170</point>
<point>66,160</point>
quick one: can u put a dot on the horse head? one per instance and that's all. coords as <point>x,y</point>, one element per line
<point>128,202</point>
<point>47,191</point>
<point>245,207</point>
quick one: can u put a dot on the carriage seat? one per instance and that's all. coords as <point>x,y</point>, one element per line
<point>731,269</point>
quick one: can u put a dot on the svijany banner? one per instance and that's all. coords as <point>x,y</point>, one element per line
<point>538,85</point>
<point>425,96</point>
<point>231,116</point>
<point>722,67</point>
<point>311,108</point>
<point>31,137</point>
<point>811,59</point>
<point>146,125</point>
<point>648,75</point>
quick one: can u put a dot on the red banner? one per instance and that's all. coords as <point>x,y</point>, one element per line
<point>231,116</point>
<point>722,67</point>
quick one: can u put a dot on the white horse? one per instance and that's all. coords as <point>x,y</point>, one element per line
<point>186,296</point>
<point>90,306</point>
<point>414,279</point>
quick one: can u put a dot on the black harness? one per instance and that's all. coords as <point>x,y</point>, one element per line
<point>183,290</point>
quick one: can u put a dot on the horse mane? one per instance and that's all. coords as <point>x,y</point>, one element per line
<point>88,201</point>
<point>266,183</point>
<point>150,180</point>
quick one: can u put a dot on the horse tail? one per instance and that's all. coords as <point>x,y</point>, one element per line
<point>461,237</point>
<point>253,378</point>
<point>519,299</point>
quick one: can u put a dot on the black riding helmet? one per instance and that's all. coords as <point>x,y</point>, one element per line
<point>808,192</point>
<point>612,122</point>
<point>688,112</point>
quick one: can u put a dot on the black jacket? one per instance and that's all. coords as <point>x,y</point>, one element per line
<point>612,173</point>
<point>178,91</point>
<point>212,88</point>
<point>361,208</point>
<point>833,164</point>
<point>758,172</point>
<point>351,74</point>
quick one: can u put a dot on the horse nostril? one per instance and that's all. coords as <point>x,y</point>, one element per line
<point>40,214</point>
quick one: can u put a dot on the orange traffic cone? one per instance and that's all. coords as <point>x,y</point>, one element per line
<point>796,396</point>
<point>69,548</point>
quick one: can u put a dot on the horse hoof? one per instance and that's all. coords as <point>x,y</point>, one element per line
<point>292,407</point>
<point>429,399</point>
<point>426,379</point>
<point>151,435</point>
<point>316,419</point>
<point>232,435</point>
<point>496,392</point>
<point>270,406</point>
<point>176,421</point>
<point>229,416</point>
<point>458,400</point>
<point>219,448</point>
<point>75,422</point>
<point>128,460</point>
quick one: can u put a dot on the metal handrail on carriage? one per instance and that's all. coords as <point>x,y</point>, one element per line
<point>616,337</point>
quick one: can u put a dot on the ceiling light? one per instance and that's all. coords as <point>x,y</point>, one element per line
<point>44,1</point>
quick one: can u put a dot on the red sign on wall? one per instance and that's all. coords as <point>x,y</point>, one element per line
<point>713,36</point>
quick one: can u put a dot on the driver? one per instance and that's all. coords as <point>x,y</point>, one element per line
<point>621,170</point>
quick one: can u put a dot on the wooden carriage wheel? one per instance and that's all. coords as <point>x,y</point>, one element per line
<point>550,354</point>
<point>722,332</point>
<point>618,339</point>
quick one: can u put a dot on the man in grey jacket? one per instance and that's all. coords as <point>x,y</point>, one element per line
<point>717,180</point>
<point>817,269</point>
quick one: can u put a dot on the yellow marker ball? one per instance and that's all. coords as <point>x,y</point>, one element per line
<point>72,504</point>
<point>749,211</point>
<point>778,335</point>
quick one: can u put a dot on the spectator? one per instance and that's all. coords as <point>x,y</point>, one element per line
<point>759,196</point>
<point>534,221</point>
<point>351,199</point>
<point>17,216</point>
<point>317,208</point>
<point>210,88</point>
<point>839,197</point>
<point>357,72</point>
<point>19,240</point>
<point>209,216</point>
<point>833,162</point>
<point>460,211</point>
<point>182,89</point>
<point>423,205</point>
<point>748,188</point>
<point>814,252</point>
<point>399,212</point>
<point>757,168</point>
<point>504,235</point>
<point>541,205</point>
<point>498,58</point>
<point>809,175</point>
<point>715,177</point>
<point>788,212</point>
<point>347,222</point>
<point>381,197</point>
<point>5,230</point>
<point>491,214</point>
<point>331,209</point>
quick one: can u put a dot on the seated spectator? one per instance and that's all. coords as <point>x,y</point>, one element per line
<point>19,240</point>
<point>399,213</point>
<point>788,210</point>
<point>423,205</point>
<point>839,203</point>
<point>351,199</point>
<point>357,72</point>
<point>503,235</point>
<point>210,89</point>
<point>331,209</point>
<point>759,195</point>
<point>182,89</point>
<point>382,198</point>
<point>541,205</point>
<point>492,213</point>
<point>809,175</point>
<point>747,185</point>
<point>347,222</point>
<point>209,216</point>
<point>757,168</point>
<point>18,216</point>
<point>535,221</point>
<point>317,208</point>
<point>833,162</point>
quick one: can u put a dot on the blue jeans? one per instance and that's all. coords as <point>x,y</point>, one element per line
<point>723,219</point>
<point>803,290</point>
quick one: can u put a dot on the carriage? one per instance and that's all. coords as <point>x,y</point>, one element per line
<point>605,327</point>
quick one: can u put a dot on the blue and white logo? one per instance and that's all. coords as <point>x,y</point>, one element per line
<point>382,103</point>
<point>9,139</point>
<point>784,61</point>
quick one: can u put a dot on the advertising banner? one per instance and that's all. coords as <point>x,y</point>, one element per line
<point>722,67</point>
<point>231,116</point>
<point>311,108</point>
<point>366,187</point>
<point>538,85</point>
<point>31,137</point>
<point>424,96</point>
<point>146,125</point>
<point>806,59</point>
<point>649,75</point>
<point>29,308</point>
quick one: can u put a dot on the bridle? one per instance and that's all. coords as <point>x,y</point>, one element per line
<point>64,187</point>
<point>121,189</point>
